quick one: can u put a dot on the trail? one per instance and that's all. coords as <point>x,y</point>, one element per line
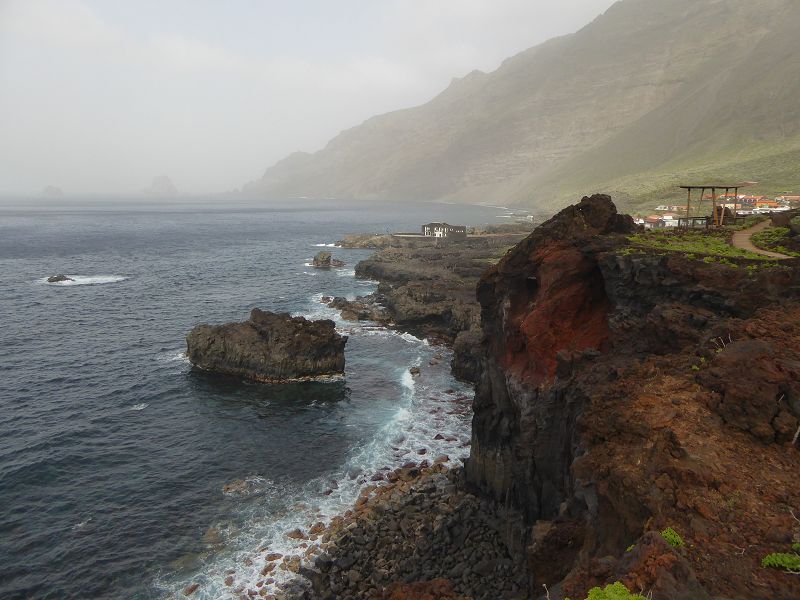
<point>741,239</point>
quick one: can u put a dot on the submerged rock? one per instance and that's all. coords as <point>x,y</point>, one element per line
<point>269,347</point>
<point>59,278</point>
<point>323,260</point>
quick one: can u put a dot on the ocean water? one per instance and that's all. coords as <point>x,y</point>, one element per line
<point>115,453</point>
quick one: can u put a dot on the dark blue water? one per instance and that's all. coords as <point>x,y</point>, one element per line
<point>114,452</point>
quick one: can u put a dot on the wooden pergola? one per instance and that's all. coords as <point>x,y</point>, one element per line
<point>716,220</point>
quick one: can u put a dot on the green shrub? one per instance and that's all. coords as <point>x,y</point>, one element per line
<point>774,239</point>
<point>782,560</point>
<point>672,538</point>
<point>796,547</point>
<point>613,591</point>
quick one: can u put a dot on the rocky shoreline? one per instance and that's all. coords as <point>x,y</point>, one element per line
<point>636,423</point>
<point>413,533</point>
<point>428,288</point>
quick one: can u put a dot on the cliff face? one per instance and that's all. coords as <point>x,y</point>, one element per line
<point>621,393</point>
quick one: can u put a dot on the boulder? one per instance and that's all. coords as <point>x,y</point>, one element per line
<point>59,278</point>
<point>323,260</point>
<point>269,347</point>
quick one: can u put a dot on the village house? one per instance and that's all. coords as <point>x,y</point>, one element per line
<point>444,230</point>
<point>660,221</point>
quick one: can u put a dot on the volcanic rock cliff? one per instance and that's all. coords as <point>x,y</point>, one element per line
<point>624,392</point>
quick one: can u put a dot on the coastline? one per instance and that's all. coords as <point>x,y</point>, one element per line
<point>607,433</point>
<point>307,564</point>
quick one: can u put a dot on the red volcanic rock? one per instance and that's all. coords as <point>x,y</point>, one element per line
<point>605,412</point>
<point>551,291</point>
<point>756,382</point>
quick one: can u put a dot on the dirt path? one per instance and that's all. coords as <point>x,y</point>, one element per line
<point>741,239</point>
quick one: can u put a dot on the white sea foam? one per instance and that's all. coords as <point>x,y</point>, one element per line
<point>140,406</point>
<point>175,360</point>
<point>172,356</point>
<point>326,245</point>
<point>81,525</point>
<point>424,413</point>
<point>346,272</point>
<point>86,280</point>
<point>407,380</point>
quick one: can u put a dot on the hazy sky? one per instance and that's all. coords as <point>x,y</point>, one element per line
<point>101,95</point>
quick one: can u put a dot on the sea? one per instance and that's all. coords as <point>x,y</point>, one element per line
<point>125,472</point>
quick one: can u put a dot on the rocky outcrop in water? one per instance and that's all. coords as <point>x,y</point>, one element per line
<point>58,278</point>
<point>363,308</point>
<point>269,347</point>
<point>323,260</point>
<point>621,393</point>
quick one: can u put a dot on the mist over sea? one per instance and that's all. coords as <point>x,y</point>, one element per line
<point>114,453</point>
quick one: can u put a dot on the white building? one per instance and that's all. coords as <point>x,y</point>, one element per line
<point>444,230</point>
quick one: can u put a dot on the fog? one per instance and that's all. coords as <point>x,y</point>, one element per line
<point>100,96</point>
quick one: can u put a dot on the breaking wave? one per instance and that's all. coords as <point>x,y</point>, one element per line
<point>86,280</point>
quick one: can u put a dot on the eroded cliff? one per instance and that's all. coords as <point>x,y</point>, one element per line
<point>623,392</point>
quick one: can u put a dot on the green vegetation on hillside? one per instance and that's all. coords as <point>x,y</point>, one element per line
<point>705,243</point>
<point>775,239</point>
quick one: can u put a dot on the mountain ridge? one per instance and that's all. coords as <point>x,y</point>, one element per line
<point>655,88</point>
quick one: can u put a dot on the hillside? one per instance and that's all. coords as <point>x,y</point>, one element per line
<point>648,93</point>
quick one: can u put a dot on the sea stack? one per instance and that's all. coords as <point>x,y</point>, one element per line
<point>270,348</point>
<point>323,260</point>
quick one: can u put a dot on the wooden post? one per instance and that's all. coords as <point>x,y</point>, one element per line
<point>722,210</point>
<point>700,204</point>
<point>714,206</point>
<point>688,204</point>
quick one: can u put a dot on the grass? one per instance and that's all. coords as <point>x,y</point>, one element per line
<point>713,245</point>
<point>775,239</point>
